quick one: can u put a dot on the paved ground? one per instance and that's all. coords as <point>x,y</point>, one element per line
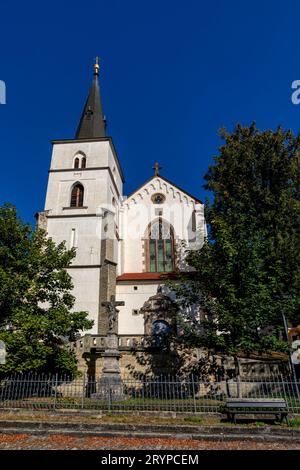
<point>59,442</point>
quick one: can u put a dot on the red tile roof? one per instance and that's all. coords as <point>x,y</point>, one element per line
<point>139,277</point>
<point>147,276</point>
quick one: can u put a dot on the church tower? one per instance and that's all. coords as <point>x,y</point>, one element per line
<point>82,207</point>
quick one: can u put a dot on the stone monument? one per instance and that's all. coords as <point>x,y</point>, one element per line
<point>159,314</point>
<point>111,375</point>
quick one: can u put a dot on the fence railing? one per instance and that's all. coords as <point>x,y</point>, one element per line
<point>163,393</point>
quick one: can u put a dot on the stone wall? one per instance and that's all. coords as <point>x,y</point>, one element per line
<point>183,362</point>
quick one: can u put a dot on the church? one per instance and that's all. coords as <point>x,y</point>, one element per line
<point>126,245</point>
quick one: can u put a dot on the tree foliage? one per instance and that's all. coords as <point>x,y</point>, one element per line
<point>247,272</point>
<point>36,317</point>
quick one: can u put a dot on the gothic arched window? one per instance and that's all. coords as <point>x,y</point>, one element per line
<point>83,163</point>
<point>76,162</point>
<point>161,247</point>
<point>77,195</point>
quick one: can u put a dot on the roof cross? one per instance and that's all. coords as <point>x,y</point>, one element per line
<point>156,167</point>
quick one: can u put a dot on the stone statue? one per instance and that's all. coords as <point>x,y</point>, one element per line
<point>112,319</point>
<point>112,314</point>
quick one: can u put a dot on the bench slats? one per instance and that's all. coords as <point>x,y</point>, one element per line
<point>256,405</point>
<point>255,400</point>
<point>276,406</point>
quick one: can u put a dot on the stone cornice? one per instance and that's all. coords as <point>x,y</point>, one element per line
<point>70,215</point>
<point>95,168</point>
<point>98,139</point>
<point>84,266</point>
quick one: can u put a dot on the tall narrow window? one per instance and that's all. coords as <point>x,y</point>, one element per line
<point>72,241</point>
<point>161,247</point>
<point>194,221</point>
<point>83,162</point>
<point>77,196</point>
<point>76,162</point>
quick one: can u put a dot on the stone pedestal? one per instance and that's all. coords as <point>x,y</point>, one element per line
<point>111,356</point>
<point>110,384</point>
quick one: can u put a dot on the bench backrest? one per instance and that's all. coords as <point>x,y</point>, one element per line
<point>256,403</point>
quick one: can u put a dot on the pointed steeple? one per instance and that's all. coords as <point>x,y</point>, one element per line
<point>92,122</point>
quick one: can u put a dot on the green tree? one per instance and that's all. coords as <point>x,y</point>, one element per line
<point>36,318</point>
<point>247,272</point>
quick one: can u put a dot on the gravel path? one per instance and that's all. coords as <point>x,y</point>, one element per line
<point>60,442</point>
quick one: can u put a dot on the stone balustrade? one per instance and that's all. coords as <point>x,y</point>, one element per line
<point>98,343</point>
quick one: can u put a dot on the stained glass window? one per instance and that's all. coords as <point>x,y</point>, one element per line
<point>161,247</point>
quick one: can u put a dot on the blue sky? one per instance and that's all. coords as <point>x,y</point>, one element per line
<point>172,73</point>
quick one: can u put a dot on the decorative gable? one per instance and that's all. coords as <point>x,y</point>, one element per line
<point>160,186</point>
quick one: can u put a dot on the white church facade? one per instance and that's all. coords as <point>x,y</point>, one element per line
<point>125,245</point>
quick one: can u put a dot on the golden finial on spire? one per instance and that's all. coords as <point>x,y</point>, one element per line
<point>96,66</point>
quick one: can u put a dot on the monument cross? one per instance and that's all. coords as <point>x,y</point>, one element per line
<point>112,313</point>
<point>110,381</point>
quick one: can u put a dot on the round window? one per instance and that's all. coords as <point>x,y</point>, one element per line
<point>158,198</point>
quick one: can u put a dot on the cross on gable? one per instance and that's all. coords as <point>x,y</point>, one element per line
<point>156,167</point>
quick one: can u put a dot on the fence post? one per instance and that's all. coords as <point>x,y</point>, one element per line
<point>238,385</point>
<point>55,390</point>
<point>194,394</point>
<point>109,397</point>
<point>83,392</point>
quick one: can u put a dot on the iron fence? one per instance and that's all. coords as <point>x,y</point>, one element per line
<point>163,393</point>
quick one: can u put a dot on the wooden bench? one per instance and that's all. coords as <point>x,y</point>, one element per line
<point>274,406</point>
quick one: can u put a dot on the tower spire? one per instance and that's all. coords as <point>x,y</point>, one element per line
<point>92,122</point>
